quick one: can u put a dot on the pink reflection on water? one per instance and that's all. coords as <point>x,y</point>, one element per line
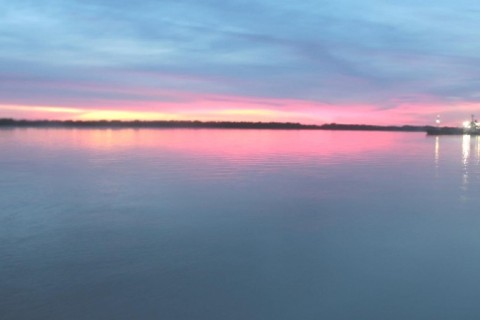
<point>229,144</point>
<point>233,144</point>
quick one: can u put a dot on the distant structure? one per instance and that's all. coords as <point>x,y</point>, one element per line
<point>471,127</point>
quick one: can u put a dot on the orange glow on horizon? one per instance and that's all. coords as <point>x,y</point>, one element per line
<point>126,115</point>
<point>228,108</point>
<point>62,113</point>
<point>44,109</point>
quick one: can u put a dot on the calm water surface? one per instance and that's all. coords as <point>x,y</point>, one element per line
<point>238,224</point>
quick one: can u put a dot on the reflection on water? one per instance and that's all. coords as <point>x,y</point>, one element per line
<point>470,149</point>
<point>470,159</point>
<point>227,143</point>
<point>238,224</point>
<point>466,145</point>
<point>466,157</point>
<point>437,156</point>
<point>467,148</point>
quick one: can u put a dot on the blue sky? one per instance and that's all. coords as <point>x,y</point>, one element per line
<point>312,61</point>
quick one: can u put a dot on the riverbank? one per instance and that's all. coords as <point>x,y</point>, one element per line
<point>13,123</point>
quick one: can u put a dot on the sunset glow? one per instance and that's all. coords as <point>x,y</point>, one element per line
<point>374,63</point>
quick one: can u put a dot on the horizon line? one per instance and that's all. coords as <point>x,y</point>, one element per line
<point>11,122</point>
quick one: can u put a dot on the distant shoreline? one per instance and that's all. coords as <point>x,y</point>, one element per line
<point>117,124</point>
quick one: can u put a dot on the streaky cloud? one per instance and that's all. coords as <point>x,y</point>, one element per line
<point>338,53</point>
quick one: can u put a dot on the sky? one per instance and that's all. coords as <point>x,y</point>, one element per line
<point>343,61</point>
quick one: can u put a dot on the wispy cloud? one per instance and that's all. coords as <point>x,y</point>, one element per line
<point>337,53</point>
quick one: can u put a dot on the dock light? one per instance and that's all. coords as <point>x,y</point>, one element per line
<point>466,124</point>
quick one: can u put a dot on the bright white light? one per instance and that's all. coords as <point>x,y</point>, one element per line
<point>437,121</point>
<point>466,124</point>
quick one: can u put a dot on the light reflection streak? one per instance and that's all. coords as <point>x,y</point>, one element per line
<point>465,160</point>
<point>470,159</point>
<point>469,163</point>
<point>478,149</point>
<point>466,148</point>
<point>437,156</point>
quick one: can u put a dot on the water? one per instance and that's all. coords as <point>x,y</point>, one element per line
<point>238,224</point>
